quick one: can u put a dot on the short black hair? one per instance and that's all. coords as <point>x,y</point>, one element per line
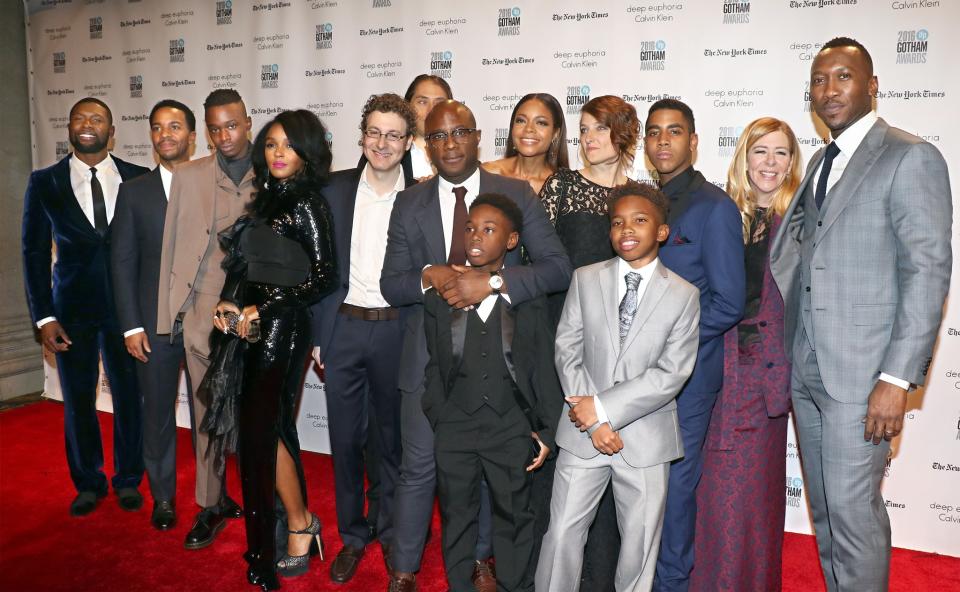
<point>647,191</point>
<point>849,42</point>
<point>95,101</point>
<point>172,104</point>
<point>675,105</point>
<point>507,207</point>
<point>221,97</point>
<point>424,77</point>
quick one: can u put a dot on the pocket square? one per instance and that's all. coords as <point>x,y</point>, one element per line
<point>679,239</point>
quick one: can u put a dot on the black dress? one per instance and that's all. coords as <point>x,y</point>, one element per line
<point>282,264</point>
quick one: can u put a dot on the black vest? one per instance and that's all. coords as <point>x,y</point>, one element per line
<point>483,378</point>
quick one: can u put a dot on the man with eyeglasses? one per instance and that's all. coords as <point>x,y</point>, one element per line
<point>357,335</point>
<point>426,249</point>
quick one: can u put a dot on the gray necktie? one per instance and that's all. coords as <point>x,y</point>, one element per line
<point>628,306</point>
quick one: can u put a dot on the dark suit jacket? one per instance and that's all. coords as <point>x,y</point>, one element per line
<point>705,247</point>
<point>528,338</point>
<point>415,240</point>
<point>80,293</point>
<point>137,240</point>
<point>341,193</point>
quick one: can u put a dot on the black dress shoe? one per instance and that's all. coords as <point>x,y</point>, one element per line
<point>164,516</point>
<point>346,564</point>
<point>230,508</point>
<point>207,526</point>
<point>85,502</point>
<point>129,499</point>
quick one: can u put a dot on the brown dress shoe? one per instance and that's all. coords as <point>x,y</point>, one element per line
<point>484,576</point>
<point>402,582</point>
<point>346,564</point>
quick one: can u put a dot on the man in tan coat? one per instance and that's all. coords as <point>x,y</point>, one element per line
<point>206,196</point>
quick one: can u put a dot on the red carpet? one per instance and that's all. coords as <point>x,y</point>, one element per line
<point>43,549</point>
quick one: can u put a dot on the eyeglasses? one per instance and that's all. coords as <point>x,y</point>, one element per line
<point>460,135</point>
<point>375,134</point>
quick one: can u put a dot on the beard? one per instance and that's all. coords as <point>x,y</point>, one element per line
<point>93,148</point>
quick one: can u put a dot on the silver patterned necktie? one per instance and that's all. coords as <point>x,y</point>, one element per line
<point>628,306</point>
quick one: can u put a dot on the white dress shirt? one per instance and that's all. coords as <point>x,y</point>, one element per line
<point>371,219</point>
<point>486,305</point>
<point>109,177</point>
<point>623,268</point>
<point>448,202</point>
<point>848,142</point>
<point>420,162</point>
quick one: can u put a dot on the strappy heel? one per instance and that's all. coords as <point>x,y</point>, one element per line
<point>290,566</point>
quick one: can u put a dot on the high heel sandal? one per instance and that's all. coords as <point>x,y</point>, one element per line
<point>296,565</point>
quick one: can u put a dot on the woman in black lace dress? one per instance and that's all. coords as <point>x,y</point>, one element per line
<point>280,261</point>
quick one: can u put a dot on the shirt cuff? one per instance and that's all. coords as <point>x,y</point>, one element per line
<point>44,321</point>
<point>601,412</point>
<point>132,332</point>
<point>904,384</point>
<point>422,289</point>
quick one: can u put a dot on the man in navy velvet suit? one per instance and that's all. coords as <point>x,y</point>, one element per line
<point>705,247</point>
<point>71,204</point>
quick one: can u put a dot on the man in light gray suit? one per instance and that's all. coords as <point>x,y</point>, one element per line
<point>626,344</point>
<point>863,261</point>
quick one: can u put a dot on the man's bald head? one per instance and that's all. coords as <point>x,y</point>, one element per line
<point>453,140</point>
<point>456,108</point>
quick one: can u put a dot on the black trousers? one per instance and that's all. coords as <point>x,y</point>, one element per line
<point>79,371</point>
<point>159,380</point>
<point>485,446</point>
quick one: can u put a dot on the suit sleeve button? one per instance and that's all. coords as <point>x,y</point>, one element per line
<point>769,364</point>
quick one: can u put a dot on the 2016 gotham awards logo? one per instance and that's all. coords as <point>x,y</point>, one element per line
<point>794,491</point>
<point>912,46</point>
<point>224,12</point>
<point>736,12</point>
<point>508,21</point>
<point>177,50</point>
<point>325,36</point>
<point>441,63</point>
<point>653,55</point>
<point>381,3</point>
<point>63,149</point>
<point>136,87</point>
<point>500,141</point>
<point>96,27</point>
<point>577,97</point>
<point>59,62</point>
<point>269,76</point>
<point>727,140</point>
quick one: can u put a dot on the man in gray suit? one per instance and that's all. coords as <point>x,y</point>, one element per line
<point>626,344</point>
<point>137,235</point>
<point>863,261</point>
<point>425,249</point>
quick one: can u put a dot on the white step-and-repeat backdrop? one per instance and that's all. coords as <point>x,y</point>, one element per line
<point>731,60</point>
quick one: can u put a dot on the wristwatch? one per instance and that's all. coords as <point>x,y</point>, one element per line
<point>496,281</point>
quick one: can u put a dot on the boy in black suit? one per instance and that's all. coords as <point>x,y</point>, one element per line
<point>493,400</point>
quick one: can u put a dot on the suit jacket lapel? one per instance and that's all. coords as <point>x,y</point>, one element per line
<point>507,326</point>
<point>458,335</point>
<point>431,221</point>
<point>71,206</point>
<point>789,229</point>
<point>859,165</point>
<point>609,279</point>
<point>648,303</point>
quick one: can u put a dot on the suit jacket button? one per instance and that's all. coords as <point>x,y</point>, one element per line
<point>819,222</point>
<point>807,288</point>
<point>484,376</point>
<point>769,364</point>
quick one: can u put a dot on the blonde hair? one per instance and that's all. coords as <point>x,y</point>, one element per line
<point>738,179</point>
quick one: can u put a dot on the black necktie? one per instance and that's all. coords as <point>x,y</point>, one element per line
<point>821,194</point>
<point>99,205</point>
<point>458,248</point>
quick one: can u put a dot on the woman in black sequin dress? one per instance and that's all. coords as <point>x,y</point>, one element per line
<point>280,261</point>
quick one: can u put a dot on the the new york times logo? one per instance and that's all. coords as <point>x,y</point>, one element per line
<point>577,97</point>
<point>136,87</point>
<point>269,76</point>
<point>224,12</point>
<point>63,149</point>
<point>912,46</point>
<point>508,21</point>
<point>736,11</point>
<point>59,62</point>
<point>325,36</point>
<point>794,490</point>
<point>500,141</point>
<point>653,55</point>
<point>381,3</point>
<point>177,51</point>
<point>441,63</point>
<point>96,27</point>
<point>727,140</point>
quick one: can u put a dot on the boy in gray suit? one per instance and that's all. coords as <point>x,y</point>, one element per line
<point>626,343</point>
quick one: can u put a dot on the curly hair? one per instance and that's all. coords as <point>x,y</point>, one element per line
<point>389,103</point>
<point>647,191</point>
<point>509,208</point>
<point>621,118</point>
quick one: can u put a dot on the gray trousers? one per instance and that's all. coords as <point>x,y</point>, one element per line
<point>842,474</point>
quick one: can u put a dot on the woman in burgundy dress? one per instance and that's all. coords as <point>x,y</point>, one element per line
<point>740,497</point>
